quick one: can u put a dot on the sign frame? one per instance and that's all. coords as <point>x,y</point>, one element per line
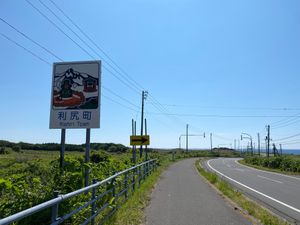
<point>139,140</point>
<point>75,95</point>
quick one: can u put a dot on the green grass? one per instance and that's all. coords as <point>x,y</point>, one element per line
<point>251,207</point>
<point>268,168</point>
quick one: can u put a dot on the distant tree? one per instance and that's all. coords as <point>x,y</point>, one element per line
<point>16,148</point>
<point>2,151</point>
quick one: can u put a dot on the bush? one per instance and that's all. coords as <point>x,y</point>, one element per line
<point>3,151</point>
<point>98,157</point>
<point>275,162</point>
<point>16,148</point>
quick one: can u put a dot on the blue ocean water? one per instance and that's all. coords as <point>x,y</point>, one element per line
<point>287,151</point>
<point>291,151</point>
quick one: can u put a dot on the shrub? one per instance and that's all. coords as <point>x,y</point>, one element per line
<point>16,148</point>
<point>98,157</point>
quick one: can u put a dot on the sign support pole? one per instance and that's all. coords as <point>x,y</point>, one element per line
<point>133,147</point>
<point>87,156</point>
<point>187,138</point>
<point>62,150</point>
<point>146,148</point>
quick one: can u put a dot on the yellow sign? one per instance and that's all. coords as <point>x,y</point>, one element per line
<point>140,140</point>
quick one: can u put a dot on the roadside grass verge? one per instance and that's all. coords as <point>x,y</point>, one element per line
<point>132,211</point>
<point>268,168</point>
<point>251,207</point>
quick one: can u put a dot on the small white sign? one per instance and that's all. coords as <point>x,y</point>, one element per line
<point>75,96</point>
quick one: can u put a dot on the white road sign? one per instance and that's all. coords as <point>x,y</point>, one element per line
<point>75,97</point>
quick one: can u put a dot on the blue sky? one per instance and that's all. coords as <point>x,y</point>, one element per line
<point>224,67</point>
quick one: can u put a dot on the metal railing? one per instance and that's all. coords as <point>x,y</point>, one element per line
<point>102,198</point>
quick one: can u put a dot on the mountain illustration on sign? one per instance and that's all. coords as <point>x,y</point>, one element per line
<point>75,90</point>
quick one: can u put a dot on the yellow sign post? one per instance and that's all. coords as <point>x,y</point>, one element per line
<point>140,140</point>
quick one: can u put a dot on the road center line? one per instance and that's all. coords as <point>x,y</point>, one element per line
<point>252,189</point>
<point>277,181</point>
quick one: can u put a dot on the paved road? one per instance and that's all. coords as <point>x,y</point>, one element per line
<point>281,193</point>
<point>181,197</point>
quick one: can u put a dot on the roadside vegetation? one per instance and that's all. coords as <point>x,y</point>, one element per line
<point>29,176</point>
<point>251,207</point>
<point>287,163</point>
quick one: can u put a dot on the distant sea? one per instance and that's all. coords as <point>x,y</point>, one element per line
<point>284,151</point>
<point>291,151</point>
<point>287,151</point>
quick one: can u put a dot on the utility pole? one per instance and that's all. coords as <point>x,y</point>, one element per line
<point>258,143</point>
<point>211,142</point>
<point>144,96</point>
<point>234,144</point>
<point>268,141</point>
<point>187,138</point>
<point>280,149</point>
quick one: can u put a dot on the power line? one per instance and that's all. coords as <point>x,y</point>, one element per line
<point>218,116</point>
<point>230,107</point>
<point>289,137</point>
<point>283,121</point>
<point>90,48</point>
<point>48,63</point>
<point>27,50</point>
<point>57,27</point>
<point>120,97</point>
<point>157,105</point>
<point>296,141</point>
<point>95,44</point>
<point>294,121</point>
<point>76,43</point>
<point>30,39</point>
<point>124,106</point>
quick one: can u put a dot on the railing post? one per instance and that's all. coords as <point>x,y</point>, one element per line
<point>94,203</point>
<point>126,185</point>
<point>54,215</point>
<point>147,168</point>
<point>139,175</point>
<point>113,192</point>
<point>133,179</point>
<point>151,167</point>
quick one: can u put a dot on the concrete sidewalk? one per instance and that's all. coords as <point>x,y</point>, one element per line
<point>181,197</point>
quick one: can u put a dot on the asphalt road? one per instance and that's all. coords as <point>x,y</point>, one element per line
<point>182,197</point>
<point>278,192</point>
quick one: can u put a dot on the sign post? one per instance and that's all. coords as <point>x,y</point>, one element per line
<point>62,150</point>
<point>75,100</point>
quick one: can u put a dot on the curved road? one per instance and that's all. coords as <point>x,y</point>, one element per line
<point>182,197</point>
<point>279,192</point>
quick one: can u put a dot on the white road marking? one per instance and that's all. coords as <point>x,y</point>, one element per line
<point>277,181</point>
<point>252,189</point>
<point>279,174</point>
